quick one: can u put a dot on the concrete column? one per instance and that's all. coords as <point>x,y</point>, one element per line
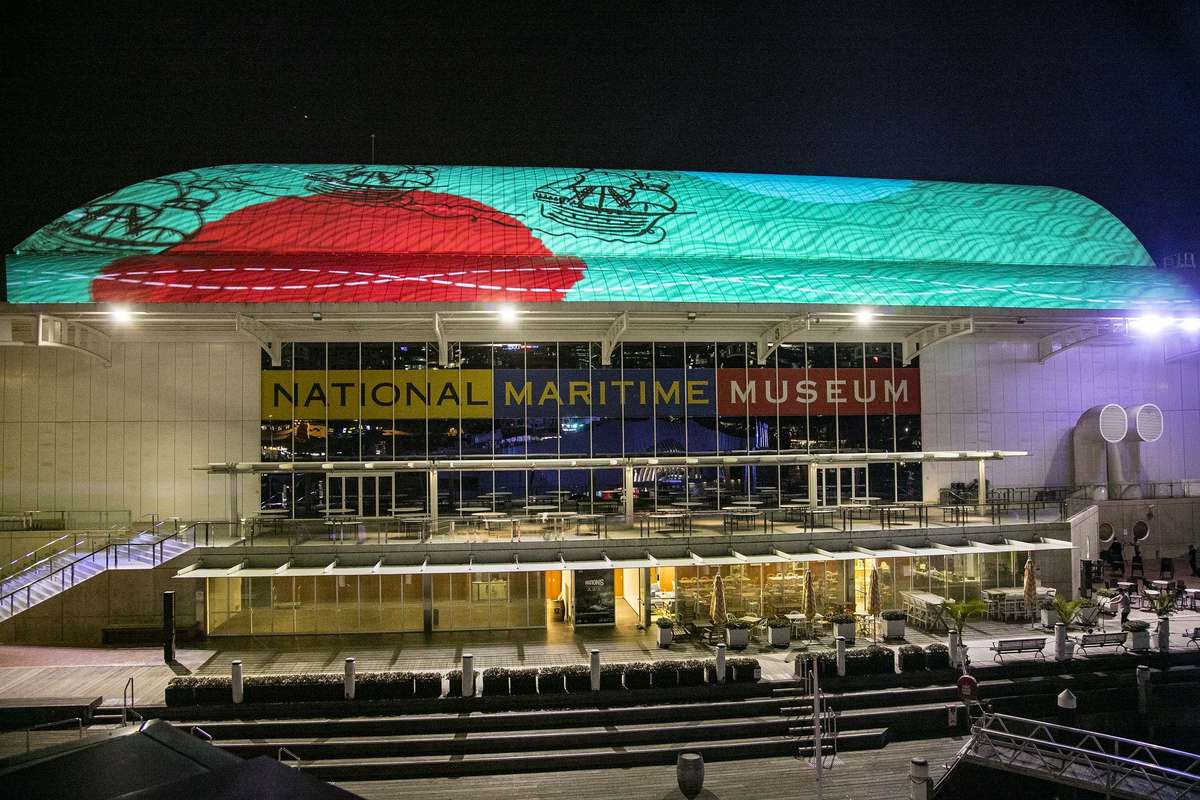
<point>348,691</point>
<point>1143,690</point>
<point>1060,642</point>
<point>918,779</point>
<point>627,485</point>
<point>234,518</point>
<point>721,663</point>
<point>235,681</point>
<point>982,484</point>
<point>955,654</point>
<point>841,656</point>
<point>595,670</point>
<point>645,605</point>
<point>812,484</point>
<point>433,497</point>
<point>427,603</point>
<point>1164,635</point>
<point>468,675</point>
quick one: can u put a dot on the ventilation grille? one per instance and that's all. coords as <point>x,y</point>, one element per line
<point>1113,423</point>
<point>1148,422</point>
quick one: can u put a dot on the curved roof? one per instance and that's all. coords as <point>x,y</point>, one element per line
<point>357,233</point>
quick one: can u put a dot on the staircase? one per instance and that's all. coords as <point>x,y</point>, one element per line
<point>55,574</point>
<point>444,745</point>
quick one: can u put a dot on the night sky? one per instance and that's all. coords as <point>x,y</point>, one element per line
<point>1099,97</point>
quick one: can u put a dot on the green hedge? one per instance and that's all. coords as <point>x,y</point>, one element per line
<point>937,656</point>
<point>912,658</point>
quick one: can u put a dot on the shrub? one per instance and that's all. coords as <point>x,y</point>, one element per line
<point>912,658</point>
<point>579,678</point>
<point>637,675</point>
<point>293,688</point>
<point>1133,626</point>
<point>1105,593</point>
<point>779,622</point>
<point>691,672</point>
<point>738,625</point>
<point>893,615</point>
<point>842,618</point>
<point>495,681</point>
<point>384,686</point>
<point>873,660</point>
<point>937,656</point>
<point>664,622</point>
<point>181,691</point>
<point>427,684</point>
<point>664,674</point>
<point>610,677</point>
<point>745,670</point>
<point>1046,605</point>
<point>213,689</point>
<point>827,664</point>
<point>551,680</point>
<point>456,682</point>
<point>523,681</point>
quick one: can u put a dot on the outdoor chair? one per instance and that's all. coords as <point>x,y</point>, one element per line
<point>1166,569</point>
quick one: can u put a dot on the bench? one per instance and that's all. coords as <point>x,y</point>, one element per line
<point>1009,646</point>
<point>1110,639</point>
<point>147,634</point>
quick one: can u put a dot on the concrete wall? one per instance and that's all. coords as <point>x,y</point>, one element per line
<point>79,615</point>
<point>76,435</point>
<point>1174,525</point>
<point>991,393</point>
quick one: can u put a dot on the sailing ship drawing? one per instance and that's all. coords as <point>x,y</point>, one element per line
<point>369,182</point>
<point>610,203</point>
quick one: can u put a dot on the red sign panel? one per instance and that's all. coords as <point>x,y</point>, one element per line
<point>819,391</point>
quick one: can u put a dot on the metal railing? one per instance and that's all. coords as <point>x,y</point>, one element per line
<point>152,551</point>
<point>50,726</point>
<point>127,700</point>
<point>1098,762</point>
<point>284,751</point>
<point>200,733</point>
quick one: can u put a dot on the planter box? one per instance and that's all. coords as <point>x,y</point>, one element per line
<point>745,674</point>
<point>456,684</point>
<point>664,677</point>
<point>1049,618</point>
<point>637,679</point>
<point>180,695</point>
<point>893,629</point>
<point>579,683</point>
<point>552,683</point>
<point>1138,640</point>
<point>664,636</point>
<point>523,682</point>
<point>384,690</point>
<point>845,629</point>
<point>494,685</point>
<point>691,676</point>
<point>779,637</point>
<point>609,681</point>
<point>737,638</point>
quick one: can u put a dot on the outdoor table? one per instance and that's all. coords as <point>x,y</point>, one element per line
<point>740,517</point>
<point>956,514</point>
<point>746,503</point>
<point>686,503</point>
<point>416,524</point>
<point>1126,585</point>
<point>558,521</point>
<point>596,521</point>
<point>500,522</point>
<point>889,515</point>
<point>399,511</point>
<point>664,521</point>
<point>1161,584</point>
<point>811,514</point>
<point>922,510</point>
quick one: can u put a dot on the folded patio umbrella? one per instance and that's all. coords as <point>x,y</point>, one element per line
<point>716,608</point>
<point>1030,587</point>
<point>874,604</point>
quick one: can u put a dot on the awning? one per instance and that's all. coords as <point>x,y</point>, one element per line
<point>1039,544</point>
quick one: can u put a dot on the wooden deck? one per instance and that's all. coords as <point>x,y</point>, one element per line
<point>861,776</point>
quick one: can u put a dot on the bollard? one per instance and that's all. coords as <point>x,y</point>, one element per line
<point>1143,690</point>
<point>841,656</point>
<point>468,675</point>
<point>1066,707</point>
<point>955,655</point>
<point>689,772</point>
<point>235,680</point>
<point>348,691</point>
<point>595,670</point>
<point>721,663</point>
<point>1060,641</point>
<point>1164,635</point>
<point>918,779</point>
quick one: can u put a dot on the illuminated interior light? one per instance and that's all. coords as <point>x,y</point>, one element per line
<point>507,314</point>
<point>1150,324</point>
<point>122,315</point>
<point>864,316</point>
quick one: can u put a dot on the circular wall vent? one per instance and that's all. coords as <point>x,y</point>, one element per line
<point>1106,533</point>
<point>1114,423</point>
<point>1147,422</point>
<point>1141,531</point>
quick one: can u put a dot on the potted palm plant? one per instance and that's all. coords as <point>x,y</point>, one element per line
<point>843,625</point>
<point>958,614</point>
<point>737,634</point>
<point>1049,613</point>
<point>664,631</point>
<point>1066,610</point>
<point>1139,634</point>
<point>893,623</point>
<point>779,631</point>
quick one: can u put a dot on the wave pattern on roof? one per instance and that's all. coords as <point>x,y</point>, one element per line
<point>408,233</point>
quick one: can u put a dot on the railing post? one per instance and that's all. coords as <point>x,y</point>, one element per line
<point>468,675</point>
<point>349,686</point>
<point>955,655</point>
<point>595,664</point>
<point>720,667</point>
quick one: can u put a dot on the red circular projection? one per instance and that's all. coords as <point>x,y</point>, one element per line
<point>389,247</point>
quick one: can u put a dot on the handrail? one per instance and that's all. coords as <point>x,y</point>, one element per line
<point>34,552</point>
<point>279,757</point>
<point>200,733</point>
<point>127,700</point>
<point>48,725</point>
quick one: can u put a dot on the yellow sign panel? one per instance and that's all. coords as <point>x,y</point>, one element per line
<point>377,394</point>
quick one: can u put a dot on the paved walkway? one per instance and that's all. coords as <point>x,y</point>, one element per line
<point>857,776</point>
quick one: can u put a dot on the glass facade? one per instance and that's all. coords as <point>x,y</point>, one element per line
<point>360,401</point>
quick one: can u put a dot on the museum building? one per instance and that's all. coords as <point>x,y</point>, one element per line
<point>369,398</point>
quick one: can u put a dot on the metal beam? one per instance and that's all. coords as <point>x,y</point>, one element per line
<point>443,345</point>
<point>44,330</point>
<point>770,339</point>
<point>612,338</point>
<point>916,343</point>
<point>1064,340</point>
<point>271,343</point>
